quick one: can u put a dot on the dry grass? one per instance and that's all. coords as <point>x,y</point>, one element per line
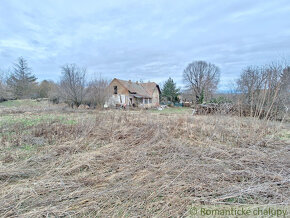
<point>121,163</point>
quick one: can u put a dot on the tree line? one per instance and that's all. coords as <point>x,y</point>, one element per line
<point>259,91</point>
<point>73,88</point>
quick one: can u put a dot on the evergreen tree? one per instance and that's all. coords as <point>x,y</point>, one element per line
<point>21,81</point>
<point>169,91</point>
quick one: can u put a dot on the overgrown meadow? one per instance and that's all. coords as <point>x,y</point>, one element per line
<point>56,161</point>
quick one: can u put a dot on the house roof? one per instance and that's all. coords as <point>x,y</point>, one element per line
<point>141,89</point>
<point>150,87</point>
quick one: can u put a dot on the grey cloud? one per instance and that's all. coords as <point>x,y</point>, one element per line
<point>147,40</point>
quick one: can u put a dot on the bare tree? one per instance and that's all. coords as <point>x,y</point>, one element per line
<point>97,92</point>
<point>202,79</point>
<point>250,84</point>
<point>264,90</point>
<point>55,92</point>
<point>72,84</point>
<point>4,93</point>
<point>45,88</point>
<point>285,77</point>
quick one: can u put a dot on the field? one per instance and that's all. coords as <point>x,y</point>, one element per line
<point>55,161</point>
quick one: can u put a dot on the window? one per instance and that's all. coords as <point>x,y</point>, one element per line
<point>150,100</point>
<point>115,90</point>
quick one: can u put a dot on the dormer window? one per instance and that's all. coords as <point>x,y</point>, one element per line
<point>115,90</point>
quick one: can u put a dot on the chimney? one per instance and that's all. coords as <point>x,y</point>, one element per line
<point>130,81</point>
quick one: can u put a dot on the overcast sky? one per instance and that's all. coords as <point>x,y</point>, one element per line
<point>148,40</point>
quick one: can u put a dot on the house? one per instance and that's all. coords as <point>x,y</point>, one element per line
<point>128,93</point>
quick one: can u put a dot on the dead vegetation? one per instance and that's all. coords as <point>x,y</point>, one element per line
<point>122,163</point>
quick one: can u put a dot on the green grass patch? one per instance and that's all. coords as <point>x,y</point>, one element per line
<point>285,135</point>
<point>23,121</point>
<point>19,103</point>
<point>27,147</point>
<point>69,122</point>
<point>33,120</point>
<point>173,110</point>
<point>10,124</point>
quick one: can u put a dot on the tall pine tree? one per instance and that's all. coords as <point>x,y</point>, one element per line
<point>169,91</point>
<point>21,81</point>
